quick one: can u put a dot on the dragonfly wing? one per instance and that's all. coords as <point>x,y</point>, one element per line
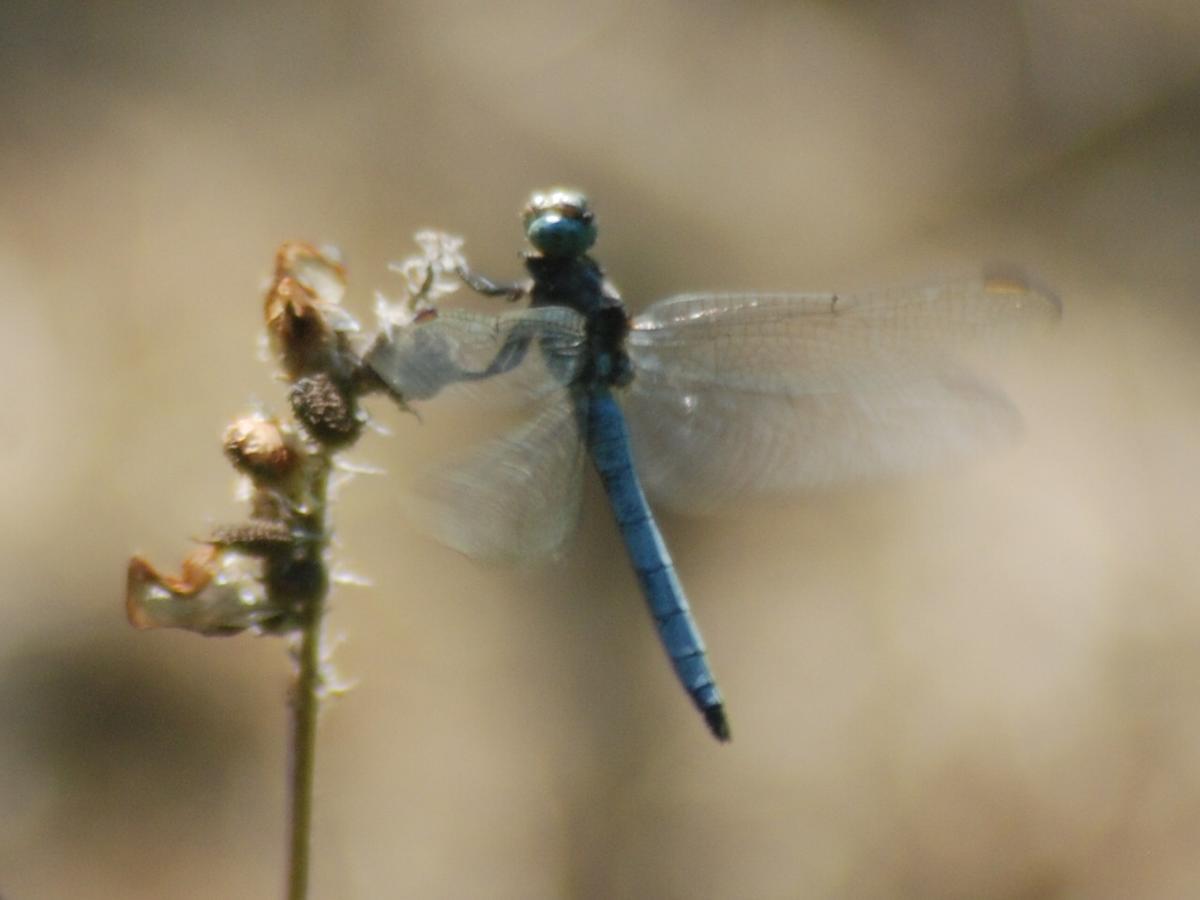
<point>514,358</point>
<point>741,395</point>
<point>514,498</point>
<point>700,447</point>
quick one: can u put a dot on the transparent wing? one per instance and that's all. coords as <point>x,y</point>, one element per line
<point>740,395</point>
<point>515,497</point>
<point>514,358</point>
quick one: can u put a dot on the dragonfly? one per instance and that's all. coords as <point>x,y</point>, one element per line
<point>700,402</point>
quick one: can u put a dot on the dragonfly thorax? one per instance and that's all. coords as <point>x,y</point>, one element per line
<point>579,283</point>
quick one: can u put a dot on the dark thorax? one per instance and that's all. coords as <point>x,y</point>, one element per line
<point>578,282</point>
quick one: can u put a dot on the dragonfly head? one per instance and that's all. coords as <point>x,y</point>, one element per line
<point>559,223</point>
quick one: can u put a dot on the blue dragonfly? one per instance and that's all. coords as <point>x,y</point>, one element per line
<point>701,401</point>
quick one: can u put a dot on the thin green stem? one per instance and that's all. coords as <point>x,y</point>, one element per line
<point>306,698</point>
<point>305,702</point>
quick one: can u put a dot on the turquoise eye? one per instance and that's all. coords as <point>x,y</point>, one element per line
<point>556,235</point>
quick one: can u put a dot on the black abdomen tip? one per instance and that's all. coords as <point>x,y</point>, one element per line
<point>717,723</point>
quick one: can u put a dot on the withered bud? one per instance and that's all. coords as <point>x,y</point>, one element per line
<point>300,333</point>
<point>219,592</point>
<point>260,448</point>
<point>307,328</point>
<point>326,409</point>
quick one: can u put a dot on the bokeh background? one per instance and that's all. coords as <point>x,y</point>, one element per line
<point>980,684</point>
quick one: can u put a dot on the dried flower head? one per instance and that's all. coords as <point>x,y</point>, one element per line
<point>300,335</point>
<point>328,411</point>
<point>307,328</point>
<point>262,449</point>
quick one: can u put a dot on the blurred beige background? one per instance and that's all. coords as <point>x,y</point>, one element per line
<point>979,685</point>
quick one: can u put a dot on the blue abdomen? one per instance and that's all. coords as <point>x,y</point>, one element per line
<point>608,443</point>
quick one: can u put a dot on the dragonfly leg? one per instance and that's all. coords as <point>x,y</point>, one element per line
<point>512,291</point>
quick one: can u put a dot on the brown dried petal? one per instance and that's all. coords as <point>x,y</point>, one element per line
<point>323,276</point>
<point>219,592</point>
<point>299,332</point>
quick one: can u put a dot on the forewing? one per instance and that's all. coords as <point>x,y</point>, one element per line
<point>741,395</point>
<point>514,358</point>
<point>515,498</point>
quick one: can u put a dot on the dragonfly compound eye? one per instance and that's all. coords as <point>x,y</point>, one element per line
<point>558,222</point>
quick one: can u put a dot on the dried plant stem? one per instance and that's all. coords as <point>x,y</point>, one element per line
<point>304,750</point>
<point>269,573</point>
<point>306,696</point>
